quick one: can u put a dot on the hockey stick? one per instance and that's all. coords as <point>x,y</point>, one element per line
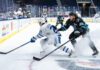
<point>38,59</point>
<point>14,48</point>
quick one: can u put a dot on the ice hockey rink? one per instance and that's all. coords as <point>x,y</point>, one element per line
<point>21,59</point>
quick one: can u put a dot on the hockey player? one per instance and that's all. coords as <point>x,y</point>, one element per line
<point>52,36</point>
<point>80,29</point>
<point>60,20</point>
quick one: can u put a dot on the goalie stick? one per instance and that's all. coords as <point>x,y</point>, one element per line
<point>14,48</point>
<point>38,59</point>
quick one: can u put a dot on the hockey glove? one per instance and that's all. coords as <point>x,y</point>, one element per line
<point>76,32</point>
<point>33,39</point>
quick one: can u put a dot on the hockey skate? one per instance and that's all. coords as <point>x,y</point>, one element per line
<point>70,54</point>
<point>95,53</point>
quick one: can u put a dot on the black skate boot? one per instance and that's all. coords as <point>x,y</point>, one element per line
<point>95,53</point>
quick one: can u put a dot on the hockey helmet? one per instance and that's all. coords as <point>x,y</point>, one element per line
<point>73,14</point>
<point>42,21</point>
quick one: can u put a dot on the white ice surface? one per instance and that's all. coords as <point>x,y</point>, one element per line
<point>21,59</point>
